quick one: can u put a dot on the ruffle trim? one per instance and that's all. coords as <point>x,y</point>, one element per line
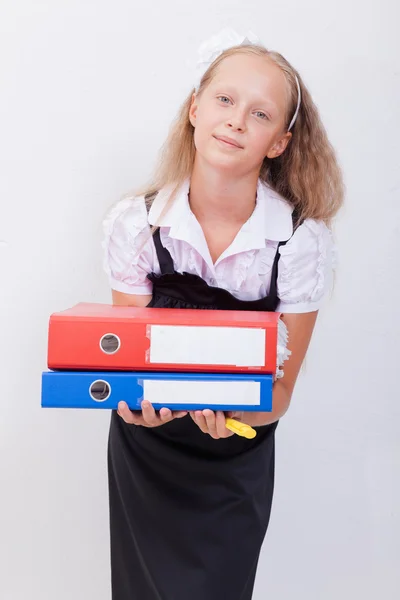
<point>136,233</point>
<point>241,270</point>
<point>283,352</point>
<point>318,289</point>
<point>287,275</point>
<point>266,258</point>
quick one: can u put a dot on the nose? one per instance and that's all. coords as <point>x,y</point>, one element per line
<point>237,120</point>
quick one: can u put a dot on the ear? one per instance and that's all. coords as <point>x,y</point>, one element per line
<point>280,146</point>
<point>193,110</point>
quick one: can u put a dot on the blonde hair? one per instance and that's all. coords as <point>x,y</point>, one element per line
<point>306,174</point>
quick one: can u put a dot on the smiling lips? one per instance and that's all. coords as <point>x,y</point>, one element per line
<point>229,141</point>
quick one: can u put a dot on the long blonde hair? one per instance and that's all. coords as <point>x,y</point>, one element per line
<point>307,174</point>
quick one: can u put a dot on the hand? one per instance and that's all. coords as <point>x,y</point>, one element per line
<point>148,417</point>
<point>213,423</point>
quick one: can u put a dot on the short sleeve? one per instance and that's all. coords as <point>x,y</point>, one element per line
<point>306,268</point>
<point>128,247</point>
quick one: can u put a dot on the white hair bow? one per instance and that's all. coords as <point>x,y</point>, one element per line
<point>212,48</point>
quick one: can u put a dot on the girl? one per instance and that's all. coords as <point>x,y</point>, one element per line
<point>239,211</point>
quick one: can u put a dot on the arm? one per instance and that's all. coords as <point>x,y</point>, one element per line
<point>305,276</point>
<point>121,299</point>
<point>300,329</point>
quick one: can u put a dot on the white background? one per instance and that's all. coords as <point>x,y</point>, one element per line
<point>88,89</point>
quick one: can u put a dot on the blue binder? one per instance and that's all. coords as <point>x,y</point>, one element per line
<point>176,391</point>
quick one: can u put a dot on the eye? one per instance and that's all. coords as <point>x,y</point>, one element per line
<point>261,115</point>
<point>224,99</point>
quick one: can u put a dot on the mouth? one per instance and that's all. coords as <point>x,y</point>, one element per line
<point>228,141</point>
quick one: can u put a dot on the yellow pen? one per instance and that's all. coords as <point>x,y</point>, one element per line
<point>239,428</point>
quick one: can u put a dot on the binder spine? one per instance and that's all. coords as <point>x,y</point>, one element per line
<point>85,343</point>
<point>177,391</point>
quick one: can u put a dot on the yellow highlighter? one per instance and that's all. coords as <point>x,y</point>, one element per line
<point>239,428</point>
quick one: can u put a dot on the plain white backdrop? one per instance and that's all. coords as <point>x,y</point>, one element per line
<point>88,90</point>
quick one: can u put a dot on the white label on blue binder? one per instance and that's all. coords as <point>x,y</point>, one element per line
<point>191,345</point>
<point>228,393</point>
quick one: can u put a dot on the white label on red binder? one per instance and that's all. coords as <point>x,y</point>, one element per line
<point>227,393</point>
<point>191,345</point>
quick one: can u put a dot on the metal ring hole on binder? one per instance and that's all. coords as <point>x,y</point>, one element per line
<point>100,390</point>
<point>110,343</point>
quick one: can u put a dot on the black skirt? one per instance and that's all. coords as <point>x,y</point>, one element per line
<point>187,521</point>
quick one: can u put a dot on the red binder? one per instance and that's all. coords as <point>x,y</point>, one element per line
<point>107,337</point>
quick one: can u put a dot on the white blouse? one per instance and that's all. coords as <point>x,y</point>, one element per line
<point>305,268</point>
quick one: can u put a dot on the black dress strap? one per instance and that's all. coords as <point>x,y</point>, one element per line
<point>163,255</point>
<point>273,289</point>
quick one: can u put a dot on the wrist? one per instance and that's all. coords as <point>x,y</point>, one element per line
<point>280,403</point>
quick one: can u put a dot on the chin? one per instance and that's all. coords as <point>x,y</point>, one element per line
<point>220,160</point>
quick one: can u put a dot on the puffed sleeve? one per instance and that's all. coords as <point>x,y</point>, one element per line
<point>128,247</point>
<point>306,267</point>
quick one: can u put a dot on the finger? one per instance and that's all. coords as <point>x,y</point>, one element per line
<point>127,415</point>
<point>200,421</point>
<point>149,414</point>
<point>235,414</point>
<point>179,414</point>
<point>222,431</point>
<point>211,423</point>
<point>165,415</point>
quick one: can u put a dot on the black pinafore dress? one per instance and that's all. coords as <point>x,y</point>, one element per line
<point>188,513</point>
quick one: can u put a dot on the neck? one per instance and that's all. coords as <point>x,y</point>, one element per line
<point>221,195</point>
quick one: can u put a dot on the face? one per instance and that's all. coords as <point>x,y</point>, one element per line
<point>239,118</point>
